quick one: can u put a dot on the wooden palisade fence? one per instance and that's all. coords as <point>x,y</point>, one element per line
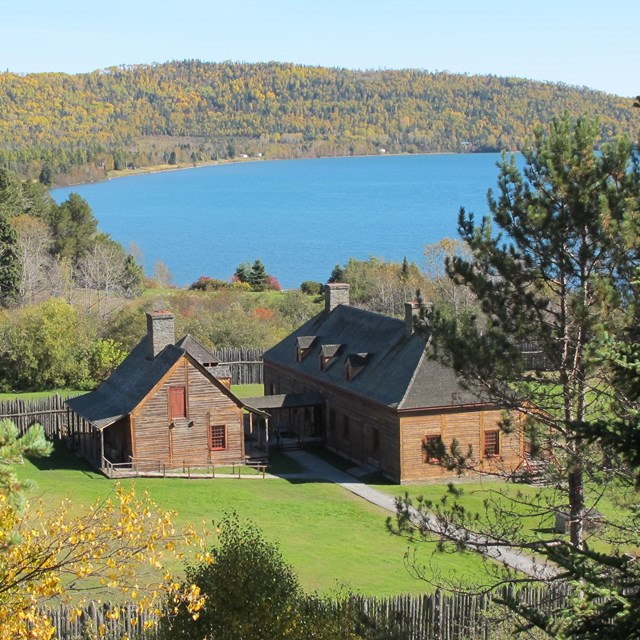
<point>245,364</point>
<point>429,617</point>
<point>50,412</point>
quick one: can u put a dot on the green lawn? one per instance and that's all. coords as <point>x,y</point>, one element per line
<point>611,503</point>
<point>333,539</point>
<point>247,390</point>
<point>35,395</point>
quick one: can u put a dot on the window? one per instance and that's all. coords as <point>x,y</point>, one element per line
<point>432,449</point>
<point>177,402</point>
<point>345,427</point>
<point>218,437</point>
<point>491,443</point>
<point>375,440</point>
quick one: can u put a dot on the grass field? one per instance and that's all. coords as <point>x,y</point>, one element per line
<point>612,503</point>
<point>334,540</point>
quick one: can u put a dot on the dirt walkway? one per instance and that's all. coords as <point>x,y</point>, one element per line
<point>323,471</point>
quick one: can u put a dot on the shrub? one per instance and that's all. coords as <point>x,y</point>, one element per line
<point>312,288</point>
<point>205,283</point>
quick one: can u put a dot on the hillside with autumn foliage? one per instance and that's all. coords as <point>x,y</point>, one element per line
<point>63,127</point>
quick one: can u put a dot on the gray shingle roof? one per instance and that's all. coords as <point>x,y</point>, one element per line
<point>132,381</point>
<point>196,350</point>
<point>397,371</point>
<point>127,386</point>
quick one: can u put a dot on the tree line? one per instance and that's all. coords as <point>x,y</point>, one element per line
<point>55,126</point>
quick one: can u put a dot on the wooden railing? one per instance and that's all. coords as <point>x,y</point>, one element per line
<point>184,469</point>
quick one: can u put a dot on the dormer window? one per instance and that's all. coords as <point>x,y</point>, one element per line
<point>304,344</point>
<point>328,354</point>
<point>356,362</point>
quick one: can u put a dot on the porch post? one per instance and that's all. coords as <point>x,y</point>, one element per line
<point>266,429</point>
<point>101,448</point>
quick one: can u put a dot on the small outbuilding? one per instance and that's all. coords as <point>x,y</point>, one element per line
<point>163,407</point>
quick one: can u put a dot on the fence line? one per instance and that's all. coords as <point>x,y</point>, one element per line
<point>51,412</point>
<point>244,363</point>
<point>435,616</point>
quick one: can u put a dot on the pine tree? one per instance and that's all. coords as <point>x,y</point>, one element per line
<point>9,262</point>
<point>337,274</point>
<point>257,276</point>
<point>553,268</point>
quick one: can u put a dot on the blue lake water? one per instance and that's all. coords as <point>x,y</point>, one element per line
<point>300,217</point>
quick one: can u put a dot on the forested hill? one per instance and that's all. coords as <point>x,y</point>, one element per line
<point>194,111</point>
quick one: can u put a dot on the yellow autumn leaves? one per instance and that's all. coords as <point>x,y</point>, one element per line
<point>51,557</point>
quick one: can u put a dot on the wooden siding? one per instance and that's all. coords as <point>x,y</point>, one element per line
<point>158,438</point>
<point>363,417</point>
<point>400,435</point>
<point>467,426</point>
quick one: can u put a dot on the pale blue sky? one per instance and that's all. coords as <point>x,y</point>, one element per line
<point>579,42</point>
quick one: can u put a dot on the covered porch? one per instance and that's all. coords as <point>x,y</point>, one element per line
<point>297,419</point>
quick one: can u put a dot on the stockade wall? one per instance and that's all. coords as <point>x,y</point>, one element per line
<point>245,364</point>
<point>50,412</point>
<point>430,617</point>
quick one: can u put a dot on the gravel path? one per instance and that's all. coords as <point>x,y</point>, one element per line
<point>321,470</point>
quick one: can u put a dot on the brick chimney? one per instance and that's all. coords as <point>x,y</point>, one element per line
<point>335,293</point>
<point>160,332</point>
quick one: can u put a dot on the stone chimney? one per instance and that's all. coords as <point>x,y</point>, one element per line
<point>411,312</point>
<point>335,293</point>
<point>160,332</point>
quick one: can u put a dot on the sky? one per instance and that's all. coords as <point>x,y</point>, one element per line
<point>590,43</point>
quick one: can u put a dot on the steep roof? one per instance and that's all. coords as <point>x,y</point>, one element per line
<point>133,380</point>
<point>196,349</point>
<point>394,368</point>
<point>127,386</point>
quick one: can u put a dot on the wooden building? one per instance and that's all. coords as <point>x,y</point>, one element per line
<point>163,406</point>
<point>386,402</point>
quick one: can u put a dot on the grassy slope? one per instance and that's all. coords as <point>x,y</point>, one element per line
<point>332,538</point>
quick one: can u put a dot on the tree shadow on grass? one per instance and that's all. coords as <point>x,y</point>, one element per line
<point>63,459</point>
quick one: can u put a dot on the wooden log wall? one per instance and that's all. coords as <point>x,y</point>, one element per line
<point>435,616</point>
<point>50,412</point>
<point>245,364</point>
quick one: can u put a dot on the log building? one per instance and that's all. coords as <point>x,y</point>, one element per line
<point>166,404</point>
<point>379,399</point>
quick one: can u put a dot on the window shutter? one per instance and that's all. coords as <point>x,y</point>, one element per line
<point>178,402</point>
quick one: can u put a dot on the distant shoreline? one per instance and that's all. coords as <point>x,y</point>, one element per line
<point>164,168</point>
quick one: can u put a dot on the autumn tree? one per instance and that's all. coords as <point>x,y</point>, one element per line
<point>52,553</point>
<point>37,269</point>
<point>553,266</point>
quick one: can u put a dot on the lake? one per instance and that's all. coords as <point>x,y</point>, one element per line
<point>300,217</point>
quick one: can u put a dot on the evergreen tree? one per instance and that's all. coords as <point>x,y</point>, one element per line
<point>73,227</point>
<point>11,198</point>
<point>9,261</point>
<point>553,267</point>
<point>337,274</point>
<point>257,276</point>
<point>242,272</point>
